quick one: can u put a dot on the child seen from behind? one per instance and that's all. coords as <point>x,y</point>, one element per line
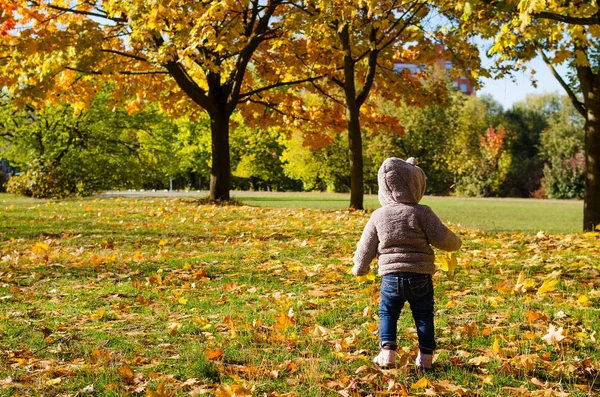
<point>400,234</point>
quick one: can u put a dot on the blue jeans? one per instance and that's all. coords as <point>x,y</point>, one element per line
<point>417,290</point>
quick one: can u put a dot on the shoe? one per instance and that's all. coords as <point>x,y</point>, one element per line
<point>386,358</point>
<point>424,361</point>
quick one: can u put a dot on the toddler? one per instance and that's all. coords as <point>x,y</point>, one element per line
<point>400,234</point>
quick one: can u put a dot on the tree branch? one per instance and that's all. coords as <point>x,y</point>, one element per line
<point>80,12</point>
<point>279,84</point>
<point>257,36</point>
<point>123,72</point>
<point>581,108</point>
<point>372,68</point>
<point>185,81</point>
<point>593,20</point>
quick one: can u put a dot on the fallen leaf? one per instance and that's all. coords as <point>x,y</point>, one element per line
<point>98,315</point>
<point>554,335</point>
<point>547,286</point>
<point>420,384</point>
<point>160,392</point>
<point>126,373</point>
<point>214,354</point>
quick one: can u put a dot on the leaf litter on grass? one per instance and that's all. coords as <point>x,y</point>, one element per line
<point>167,297</point>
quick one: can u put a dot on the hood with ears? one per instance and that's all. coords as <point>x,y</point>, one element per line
<point>400,181</point>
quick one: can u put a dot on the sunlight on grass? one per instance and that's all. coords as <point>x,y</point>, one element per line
<point>126,296</point>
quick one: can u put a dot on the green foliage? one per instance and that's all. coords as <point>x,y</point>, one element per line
<point>258,156</point>
<point>562,145</point>
<point>325,168</point>
<point>565,178</point>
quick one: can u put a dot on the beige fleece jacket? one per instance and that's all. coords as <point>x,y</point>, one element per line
<point>401,231</point>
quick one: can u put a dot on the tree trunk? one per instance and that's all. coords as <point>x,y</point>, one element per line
<point>356,158</point>
<point>591,205</point>
<point>220,173</point>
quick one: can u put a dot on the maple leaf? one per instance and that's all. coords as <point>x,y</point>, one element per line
<point>535,316</point>
<point>547,286</point>
<point>126,373</point>
<point>283,321</point>
<point>214,354</point>
<point>554,335</point>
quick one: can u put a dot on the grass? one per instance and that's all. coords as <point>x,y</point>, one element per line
<point>136,296</point>
<point>490,214</point>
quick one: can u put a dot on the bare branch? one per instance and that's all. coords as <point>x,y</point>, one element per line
<point>279,84</point>
<point>123,72</point>
<point>581,108</point>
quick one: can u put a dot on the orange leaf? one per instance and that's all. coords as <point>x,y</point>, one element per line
<point>282,321</point>
<point>214,354</point>
<point>126,373</point>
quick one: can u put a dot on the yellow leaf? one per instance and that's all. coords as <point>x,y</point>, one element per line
<point>447,262</point>
<point>366,277</point>
<point>138,256</point>
<point>53,382</point>
<point>583,300</point>
<point>420,384</point>
<point>182,301</point>
<point>547,286</point>
<point>98,315</point>
<point>163,242</point>
<point>496,346</point>
<point>451,304</point>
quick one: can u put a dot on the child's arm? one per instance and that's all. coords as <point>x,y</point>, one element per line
<point>438,234</point>
<point>366,249</point>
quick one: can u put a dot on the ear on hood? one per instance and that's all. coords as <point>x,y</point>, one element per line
<point>400,181</point>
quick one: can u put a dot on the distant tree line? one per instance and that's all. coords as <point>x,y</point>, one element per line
<point>468,146</point>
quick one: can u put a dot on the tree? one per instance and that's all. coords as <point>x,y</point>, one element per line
<point>175,53</point>
<point>560,32</point>
<point>355,45</point>
<point>63,153</point>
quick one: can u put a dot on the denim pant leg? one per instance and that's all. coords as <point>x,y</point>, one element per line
<point>390,305</point>
<point>422,307</point>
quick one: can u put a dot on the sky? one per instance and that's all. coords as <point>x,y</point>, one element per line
<point>508,92</point>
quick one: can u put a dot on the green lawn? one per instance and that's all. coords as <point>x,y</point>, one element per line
<point>122,296</point>
<point>490,215</point>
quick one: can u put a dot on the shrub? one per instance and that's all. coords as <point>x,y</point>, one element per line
<point>565,178</point>
<point>41,182</point>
